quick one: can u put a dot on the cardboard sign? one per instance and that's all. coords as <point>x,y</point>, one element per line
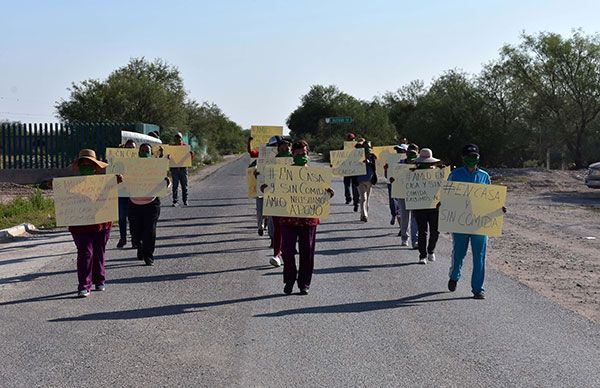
<point>266,155</point>
<point>142,177</point>
<point>399,172</point>
<point>179,155</point>
<point>262,133</point>
<point>348,145</point>
<point>85,200</point>
<point>423,187</point>
<point>121,153</point>
<point>251,182</point>
<point>472,208</point>
<point>295,191</point>
<point>348,162</point>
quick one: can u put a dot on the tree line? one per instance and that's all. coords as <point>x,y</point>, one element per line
<point>151,92</point>
<point>541,95</point>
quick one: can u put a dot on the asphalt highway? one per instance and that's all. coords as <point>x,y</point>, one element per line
<point>212,312</point>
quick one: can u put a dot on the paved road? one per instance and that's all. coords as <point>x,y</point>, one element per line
<point>212,312</point>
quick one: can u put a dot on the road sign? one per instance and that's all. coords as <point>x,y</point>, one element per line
<point>338,120</point>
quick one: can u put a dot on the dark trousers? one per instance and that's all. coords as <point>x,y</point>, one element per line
<point>91,256</point>
<point>351,189</point>
<point>427,219</point>
<point>142,221</point>
<point>305,235</point>
<point>180,175</point>
<point>391,200</point>
<point>277,239</point>
<point>123,210</point>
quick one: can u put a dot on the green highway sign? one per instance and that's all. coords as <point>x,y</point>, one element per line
<point>338,120</point>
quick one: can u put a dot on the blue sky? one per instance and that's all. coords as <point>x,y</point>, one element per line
<point>255,59</point>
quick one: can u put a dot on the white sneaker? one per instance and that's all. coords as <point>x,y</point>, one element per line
<point>275,261</point>
<point>404,243</point>
<point>431,256</point>
<point>423,261</point>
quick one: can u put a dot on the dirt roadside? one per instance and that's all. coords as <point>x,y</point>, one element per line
<point>551,239</point>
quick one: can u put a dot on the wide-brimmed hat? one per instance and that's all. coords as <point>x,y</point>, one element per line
<point>90,155</point>
<point>426,156</point>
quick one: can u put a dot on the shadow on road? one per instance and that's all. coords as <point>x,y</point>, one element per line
<point>64,295</point>
<point>160,311</point>
<point>183,276</point>
<point>350,269</point>
<point>361,307</point>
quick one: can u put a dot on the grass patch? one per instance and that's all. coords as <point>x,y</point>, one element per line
<point>34,209</point>
<point>511,179</point>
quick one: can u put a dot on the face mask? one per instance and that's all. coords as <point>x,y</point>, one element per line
<point>87,170</point>
<point>422,166</point>
<point>471,161</point>
<point>300,160</point>
<point>411,156</point>
<point>145,154</point>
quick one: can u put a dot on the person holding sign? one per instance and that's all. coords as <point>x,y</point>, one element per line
<point>365,182</point>
<point>469,173</point>
<point>91,240</point>
<point>302,230</point>
<point>123,209</point>
<point>405,216</point>
<point>427,219</point>
<point>400,149</point>
<point>180,175</point>
<point>283,151</point>
<point>350,184</point>
<point>143,217</point>
<point>261,221</point>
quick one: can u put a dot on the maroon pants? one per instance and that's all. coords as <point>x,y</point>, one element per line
<point>91,255</point>
<point>277,240</point>
<point>305,235</point>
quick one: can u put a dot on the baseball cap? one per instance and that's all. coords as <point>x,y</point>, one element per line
<point>274,140</point>
<point>350,136</point>
<point>178,134</point>
<point>469,149</point>
<point>401,147</point>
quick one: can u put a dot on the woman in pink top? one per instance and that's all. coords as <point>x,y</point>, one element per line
<point>143,216</point>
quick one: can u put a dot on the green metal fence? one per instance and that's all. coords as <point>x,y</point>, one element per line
<point>52,145</point>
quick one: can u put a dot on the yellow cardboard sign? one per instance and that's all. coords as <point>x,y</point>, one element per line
<point>121,153</point>
<point>399,172</point>
<point>472,208</point>
<point>423,187</point>
<point>348,145</point>
<point>348,162</point>
<point>262,133</point>
<point>142,177</point>
<point>251,182</point>
<point>85,200</point>
<point>179,155</point>
<point>295,191</point>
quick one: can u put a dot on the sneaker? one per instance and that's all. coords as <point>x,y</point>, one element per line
<point>122,242</point>
<point>304,291</point>
<point>175,204</point>
<point>355,208</point>
<point>275,261</point>
<point>348,201</point>
<point>149,262</point>
<point>452,285</point>
<point>185,203</point>
<point>415,247</point>
<point>100,287</point>
<point>480,295</point>
<point>422,260</point>
<point>261,232</point>
<point>431,257</point>
<point>288,288</point>
<point>404,243</point>
<point>83,294</point>
<point>363,219</point>
<point>393,220</point>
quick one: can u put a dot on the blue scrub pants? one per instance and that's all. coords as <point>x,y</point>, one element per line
<point>460,243</point>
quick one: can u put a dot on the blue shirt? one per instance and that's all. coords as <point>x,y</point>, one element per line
<point>462,174</point>
<point>370,171</point>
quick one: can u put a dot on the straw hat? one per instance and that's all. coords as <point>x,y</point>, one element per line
<point>90,155</point>
<point>426,156</point>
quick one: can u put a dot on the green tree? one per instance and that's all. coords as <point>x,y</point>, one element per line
<point>209,124</point>
<point>561,77</point>
<point>141,91</point>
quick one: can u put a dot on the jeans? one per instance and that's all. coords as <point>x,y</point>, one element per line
<point>427,219</point>
<point>260,222</point>
<point>392,201</point>
<point>351,189</point>
<point>123,210</point>
<point>406,217</point>
<point>143,220</point>
<point>180,175</point>
<point>305,235</point>
<point>91,256</point>
<point>460,244</point>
